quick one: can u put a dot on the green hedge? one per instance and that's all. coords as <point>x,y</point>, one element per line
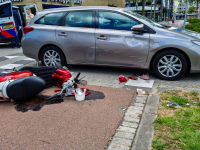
<point>195,25</point>
<point>194,20</point>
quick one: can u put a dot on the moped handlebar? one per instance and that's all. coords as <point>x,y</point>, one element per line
<point>76,78</point>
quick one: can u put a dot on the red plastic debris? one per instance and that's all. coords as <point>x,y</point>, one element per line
<point>57,91</point>
<point>145,77</point>
<point>122,78</point>
<point>132,78</point>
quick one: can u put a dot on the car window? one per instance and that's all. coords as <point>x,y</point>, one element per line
<point>115,21</point>
<point>145,18</point>
<point>50,19</point>
<point>5,10</point>
<point>79,19</point>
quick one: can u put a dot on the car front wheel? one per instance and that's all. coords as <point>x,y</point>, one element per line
<point>170,65</point>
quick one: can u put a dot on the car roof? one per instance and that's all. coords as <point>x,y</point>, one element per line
<point>82,8</point>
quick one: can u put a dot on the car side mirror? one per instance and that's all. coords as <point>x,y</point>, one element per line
<point>138,28</point>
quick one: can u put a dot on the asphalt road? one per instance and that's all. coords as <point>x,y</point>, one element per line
<point>95,75</point>
<point>108,76</point>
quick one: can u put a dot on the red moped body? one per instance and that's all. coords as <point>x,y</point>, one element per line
<point>61,75</point>
<point>15,75</point>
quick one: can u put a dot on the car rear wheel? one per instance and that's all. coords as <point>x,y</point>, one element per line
<point>170,65</point>
<point>52,56</point>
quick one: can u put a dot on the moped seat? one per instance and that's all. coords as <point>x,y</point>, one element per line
<point>25,88</point>
<point>43,72</point>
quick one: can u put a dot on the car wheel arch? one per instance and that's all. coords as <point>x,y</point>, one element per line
<point>171,48</point>
<point>44,46</point>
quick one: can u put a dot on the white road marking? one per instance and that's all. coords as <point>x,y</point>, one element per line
<point>10,57</point>
<point>29,59</point>
<point>10,66</point>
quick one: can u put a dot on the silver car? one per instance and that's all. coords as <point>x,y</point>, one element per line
<point>110,37</point>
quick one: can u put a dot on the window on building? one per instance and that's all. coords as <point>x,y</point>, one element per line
<point>50,19</point>
<point>115,21</point>
<point>79,19</point>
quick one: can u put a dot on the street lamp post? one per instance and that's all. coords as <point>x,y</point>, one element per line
<point>185,15</point>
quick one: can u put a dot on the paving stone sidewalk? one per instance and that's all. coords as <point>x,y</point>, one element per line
<point>125,133</point>
<point>177,23</point>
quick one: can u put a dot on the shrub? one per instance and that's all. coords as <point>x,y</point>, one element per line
<point>194,20</point>
<point>194,26</point>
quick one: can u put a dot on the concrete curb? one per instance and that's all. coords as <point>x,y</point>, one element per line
<point>125,133</point>
<point>145,131</point>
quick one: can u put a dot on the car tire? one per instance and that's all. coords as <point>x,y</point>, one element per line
<point>51,56</point>
<point>170,65</point>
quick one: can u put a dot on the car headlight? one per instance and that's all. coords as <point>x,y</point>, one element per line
<point>196,42</point>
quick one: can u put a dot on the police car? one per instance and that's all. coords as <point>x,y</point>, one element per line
<point>7,24</point>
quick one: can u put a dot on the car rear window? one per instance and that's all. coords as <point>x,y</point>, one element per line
<point>5,10</point>
<point>50,19</point>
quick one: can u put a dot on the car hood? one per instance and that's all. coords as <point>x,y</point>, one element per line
<point>186,32</point>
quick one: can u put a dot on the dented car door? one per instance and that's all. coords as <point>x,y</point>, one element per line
<point>116,44</point>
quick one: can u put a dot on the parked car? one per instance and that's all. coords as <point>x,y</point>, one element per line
<point>7,24</point>
<point>110,37</point>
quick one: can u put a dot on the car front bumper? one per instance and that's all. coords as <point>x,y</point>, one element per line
<point>194,56</point>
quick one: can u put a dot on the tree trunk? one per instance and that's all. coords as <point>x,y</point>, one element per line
<point>154,13</point>
<point>71,3</point>
<point>136,4</point>
<point>143,3</point>
<point>197,8</point>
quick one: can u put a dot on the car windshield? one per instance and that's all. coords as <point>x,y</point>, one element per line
<point>146,19</point>
<point>5,10</point>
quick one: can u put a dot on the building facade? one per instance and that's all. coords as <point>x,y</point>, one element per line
<point>182,7</point>
<point>45,4</point>
<point>149,8</point>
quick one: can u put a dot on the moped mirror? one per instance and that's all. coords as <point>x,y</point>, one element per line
<point>83,82</point>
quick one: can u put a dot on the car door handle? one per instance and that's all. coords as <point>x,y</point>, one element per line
<point>63,34</point>
<point>102,37</point>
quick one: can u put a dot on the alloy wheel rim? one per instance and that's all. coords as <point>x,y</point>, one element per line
<point>51,58</point>
<point>169,65</point>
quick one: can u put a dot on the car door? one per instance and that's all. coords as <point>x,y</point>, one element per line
<point>116,44</point>
<point>7,24</point>
<point>76,36</point>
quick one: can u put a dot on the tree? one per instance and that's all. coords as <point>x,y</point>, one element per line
<point>136,3</point>
<point>184,12</point>
<point>196,2</point>
<point>143,5</point>
<point>191,10</point>
<point>154,13</point>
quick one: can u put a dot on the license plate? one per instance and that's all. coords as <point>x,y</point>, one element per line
<point>10,26</point>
